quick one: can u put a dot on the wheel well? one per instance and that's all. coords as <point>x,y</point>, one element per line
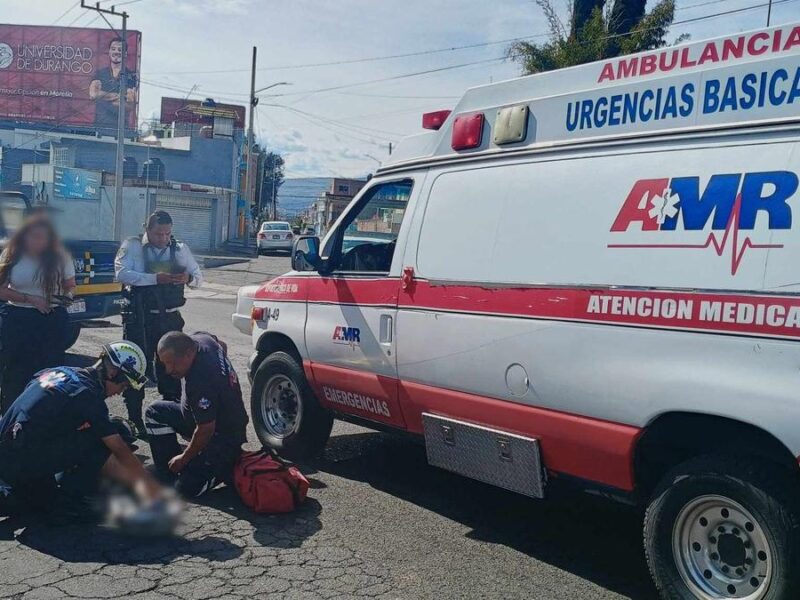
<point>676,437</point>
<point>275,342</point>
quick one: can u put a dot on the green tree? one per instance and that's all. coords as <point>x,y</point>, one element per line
<point>272,175</point>
<point>595,30</point>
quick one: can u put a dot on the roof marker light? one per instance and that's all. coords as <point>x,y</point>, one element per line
<point>511,124</point>
<point>467,131</point>
<point>434,120</point>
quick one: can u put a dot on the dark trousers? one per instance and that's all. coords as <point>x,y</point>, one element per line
<point>146,336</point>
<point>30,342</point>
<point>166,420</point>
<point>41,470</point>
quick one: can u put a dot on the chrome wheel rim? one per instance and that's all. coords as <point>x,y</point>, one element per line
<point>281,408</point>
<point>721,551</point>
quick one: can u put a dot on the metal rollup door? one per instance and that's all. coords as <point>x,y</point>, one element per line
<point>192,217</point>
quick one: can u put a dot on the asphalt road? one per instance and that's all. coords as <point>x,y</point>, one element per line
<point>379,523</point>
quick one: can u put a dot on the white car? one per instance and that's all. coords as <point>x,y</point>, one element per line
<point>275,235</point>
<point>591,278</point>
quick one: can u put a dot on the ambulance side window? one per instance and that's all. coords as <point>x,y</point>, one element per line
<point>365,241</point>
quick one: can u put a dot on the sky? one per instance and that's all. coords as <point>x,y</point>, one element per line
<point>203,48</point>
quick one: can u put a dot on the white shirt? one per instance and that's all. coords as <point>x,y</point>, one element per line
<point>24,278</point>
<point>129,264</point>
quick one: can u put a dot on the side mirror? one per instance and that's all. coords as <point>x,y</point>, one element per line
<point>305,254</point>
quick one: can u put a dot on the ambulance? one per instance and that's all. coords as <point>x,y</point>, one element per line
<point>589,276</point>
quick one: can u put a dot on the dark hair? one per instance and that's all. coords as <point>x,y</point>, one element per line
<point>159,217</point>
<point>116,40</point>
<point>177,343</point>
<point>51,267</point>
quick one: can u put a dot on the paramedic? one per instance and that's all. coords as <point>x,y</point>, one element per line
<point>211,415</point>
<point>154,268</point>
<point>57,439</point>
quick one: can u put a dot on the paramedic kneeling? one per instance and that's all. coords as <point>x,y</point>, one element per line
<point>211,414</point>
<point>57,439</point>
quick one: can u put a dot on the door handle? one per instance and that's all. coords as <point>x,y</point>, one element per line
<point>387,326</point>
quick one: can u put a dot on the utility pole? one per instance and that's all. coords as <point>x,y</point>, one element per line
<point>248,174</point>
<point>123,95</point>
<point>274,194</point>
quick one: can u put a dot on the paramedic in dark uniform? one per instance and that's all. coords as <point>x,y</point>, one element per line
<point>154,268</point>
<point>211,415</point>
<point>57,439</point>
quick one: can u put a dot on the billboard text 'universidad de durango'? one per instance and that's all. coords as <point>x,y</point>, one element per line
<point>67,76</point>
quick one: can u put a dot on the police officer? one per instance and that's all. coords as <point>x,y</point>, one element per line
<point>154,268</point>
<point>211,416</point>
<point>57,439</point>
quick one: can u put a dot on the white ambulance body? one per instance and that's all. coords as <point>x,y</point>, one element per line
<point>589,275</point>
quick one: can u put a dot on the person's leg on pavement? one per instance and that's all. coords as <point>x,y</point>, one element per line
<point>133,331</point>
<point>20,357</point>
<point>164,422</point>
<point>55,328</point>
<point>168,387</point>
<point>210,468</point>
<point>83,459</point>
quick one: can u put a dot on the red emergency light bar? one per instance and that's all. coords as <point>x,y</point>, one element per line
<point>434,120</point>
<point>467,131</point>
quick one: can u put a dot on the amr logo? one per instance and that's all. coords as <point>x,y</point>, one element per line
<point>343,334</point>
<point>729,204</point>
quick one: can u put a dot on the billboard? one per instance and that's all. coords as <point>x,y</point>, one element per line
<point>76,183</point>
<point>66,76</point>
<point>195,111</point>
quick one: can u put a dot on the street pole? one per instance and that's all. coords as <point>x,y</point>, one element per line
<point>248,174</point>
<point>119,180</point>
<point>123,93</point>
<point>274,195</point>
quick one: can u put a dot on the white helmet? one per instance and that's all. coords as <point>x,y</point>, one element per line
<point>129,359</point>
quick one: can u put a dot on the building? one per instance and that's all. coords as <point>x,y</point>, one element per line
<point>192,177</point>
<point>331,203</point>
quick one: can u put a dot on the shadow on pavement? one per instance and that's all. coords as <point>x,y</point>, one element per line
<point>276,531</point>
<point>594,538</point>
<point>81,543</point>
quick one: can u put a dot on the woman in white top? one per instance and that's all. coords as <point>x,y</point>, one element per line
<point>35,274</point>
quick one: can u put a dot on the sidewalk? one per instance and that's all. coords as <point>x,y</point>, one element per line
<point>222,283</point>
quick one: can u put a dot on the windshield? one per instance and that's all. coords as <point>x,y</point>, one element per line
<point>12,213</point>
<point>275,227</point>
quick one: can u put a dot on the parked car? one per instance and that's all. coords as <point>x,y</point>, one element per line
<point>275,235</point>
<point>591,280</point>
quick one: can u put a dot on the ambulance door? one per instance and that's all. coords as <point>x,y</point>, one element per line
<point>352,309</point>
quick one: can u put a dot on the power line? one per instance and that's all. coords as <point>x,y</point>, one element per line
<point>66,12</point>
<point>358,136</point>
<point>392,78</point>
<point>462,65</point>
<point>368,130</point>
<point>395,56</point>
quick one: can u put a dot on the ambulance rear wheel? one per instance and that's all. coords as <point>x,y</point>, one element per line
<point>724,527</point>
<point>286,414</point>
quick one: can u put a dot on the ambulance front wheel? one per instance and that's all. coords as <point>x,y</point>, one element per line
<point>725,527</point>
<point>285,411</point>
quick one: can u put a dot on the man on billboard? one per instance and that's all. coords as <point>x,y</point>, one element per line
<point>104,90</point>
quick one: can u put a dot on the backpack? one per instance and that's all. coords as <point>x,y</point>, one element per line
<point>268,484</point>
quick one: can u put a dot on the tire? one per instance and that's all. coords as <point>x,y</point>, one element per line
<point>71,334</point>
<point>686,549</point>
<point>313,423</point>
